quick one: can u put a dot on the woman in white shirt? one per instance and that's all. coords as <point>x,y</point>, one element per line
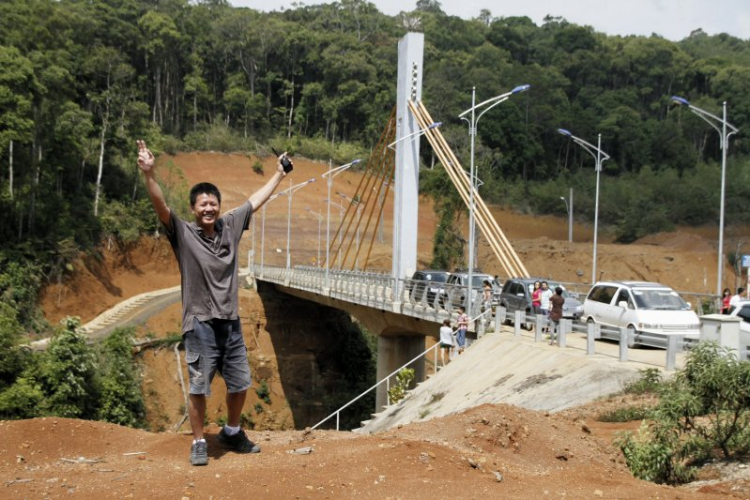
<point>446,340</point>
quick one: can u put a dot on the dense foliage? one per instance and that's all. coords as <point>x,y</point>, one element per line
<point>703,412</point>
<point>71,378</point>
<point>80,80</point>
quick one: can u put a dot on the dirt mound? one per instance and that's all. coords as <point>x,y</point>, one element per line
<point>681,240</point>
<point>489,451</point>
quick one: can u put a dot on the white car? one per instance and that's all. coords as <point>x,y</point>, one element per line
<point>651,311</point>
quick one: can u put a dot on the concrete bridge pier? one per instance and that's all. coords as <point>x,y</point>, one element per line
<point>394,352</point>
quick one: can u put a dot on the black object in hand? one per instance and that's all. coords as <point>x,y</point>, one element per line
<point>285,162</point>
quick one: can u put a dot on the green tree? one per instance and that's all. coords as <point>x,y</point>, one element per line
<point>121,395</point>
<point>68,374</point>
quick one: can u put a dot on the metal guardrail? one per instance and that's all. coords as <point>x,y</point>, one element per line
<point>672,344</point>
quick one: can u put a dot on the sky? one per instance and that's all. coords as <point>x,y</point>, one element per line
<point>672,19</point>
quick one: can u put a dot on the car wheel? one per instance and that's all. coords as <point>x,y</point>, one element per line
<point>632,332</point>
<point>507,321</point>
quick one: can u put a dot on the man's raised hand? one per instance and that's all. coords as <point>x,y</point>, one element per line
<point>145,157</point>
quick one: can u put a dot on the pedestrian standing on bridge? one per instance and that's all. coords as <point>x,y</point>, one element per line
<point>206,251</point>
<point>463,325</point>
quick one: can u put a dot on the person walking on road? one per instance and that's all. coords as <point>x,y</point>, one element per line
<point>206,251</point>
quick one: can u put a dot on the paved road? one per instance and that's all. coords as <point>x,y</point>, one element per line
<point>132,311</point>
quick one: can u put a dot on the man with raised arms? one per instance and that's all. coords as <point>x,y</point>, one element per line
<point>206,251</point>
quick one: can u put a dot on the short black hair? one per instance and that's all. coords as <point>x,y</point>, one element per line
<point>204,188</point>
<point>740,290</point>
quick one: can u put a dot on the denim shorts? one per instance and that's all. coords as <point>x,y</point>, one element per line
<point>216,345</point>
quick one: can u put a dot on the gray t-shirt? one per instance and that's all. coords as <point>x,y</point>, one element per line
<point>208,266</point>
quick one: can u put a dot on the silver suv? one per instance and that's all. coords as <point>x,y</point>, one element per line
<point>516,296</point>
<point>454,293</point>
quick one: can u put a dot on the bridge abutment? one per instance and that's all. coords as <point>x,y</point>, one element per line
<point>394,352</point>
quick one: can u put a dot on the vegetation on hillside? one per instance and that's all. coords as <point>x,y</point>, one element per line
<point>71,378</point>
<point>703,413</point>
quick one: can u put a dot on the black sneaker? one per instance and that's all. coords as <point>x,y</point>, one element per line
<point>199,453</point>
<point>238,442</point>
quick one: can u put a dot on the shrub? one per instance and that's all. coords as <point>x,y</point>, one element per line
<point>258,167</point>
<point>703,411</point>
<point>172,145</point>
<point>258,408</point>
<point>403,380</point>
<point>263,392</point>
<point>67,374</point>
<point>648,382</point>
<point>21,400</point>
<point>121,393</point>
<point>247,421</point>
<point>652,456</point>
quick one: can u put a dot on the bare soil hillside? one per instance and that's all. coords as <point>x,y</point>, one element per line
<point>487,452</point>
<point>490,451</point>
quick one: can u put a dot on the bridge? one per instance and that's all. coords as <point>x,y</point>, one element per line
<point>384,301</point>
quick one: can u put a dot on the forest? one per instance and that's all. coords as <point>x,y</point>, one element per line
<point>81,80</point>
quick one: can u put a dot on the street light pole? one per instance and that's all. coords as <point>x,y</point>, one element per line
<point>341,218</point>
<point>712,120</point>
<point>359,218</point>
<point>600,157</point>
<point>329,178</point>
<point>320,220</point>
<point>263,234</point>
<point>569,211</point>
<point>289,192</point>
<point>490,103</point>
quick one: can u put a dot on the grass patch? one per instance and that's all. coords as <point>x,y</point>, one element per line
<point>648,383</point>
<point>437,396</point>
<point>627,414</point>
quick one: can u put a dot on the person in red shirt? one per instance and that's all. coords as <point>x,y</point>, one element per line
<point>726,296</point>
<point>536,297</point>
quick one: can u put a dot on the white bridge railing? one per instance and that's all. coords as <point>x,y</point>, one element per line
<point>373,289</point>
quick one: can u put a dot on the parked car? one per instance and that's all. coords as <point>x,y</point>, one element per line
<point>428,280</point>
<point>516,296</point>
<point>641,307</point>
<point>454,293</point>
